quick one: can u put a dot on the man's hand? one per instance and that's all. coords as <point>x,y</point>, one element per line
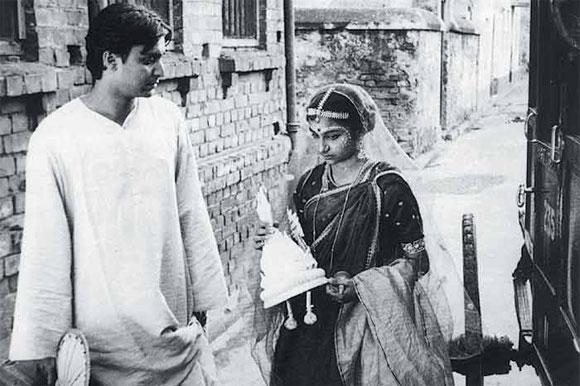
<point>262,233</point>
<point>340,288</point>
<point>43,370</point>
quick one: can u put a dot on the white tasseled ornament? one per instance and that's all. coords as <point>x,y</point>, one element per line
<point>310,317</point>
<point>290,322</point>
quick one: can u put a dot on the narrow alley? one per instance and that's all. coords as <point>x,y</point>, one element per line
<point>479,173</point>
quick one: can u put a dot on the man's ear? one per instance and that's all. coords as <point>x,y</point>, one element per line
<point>109,61</point>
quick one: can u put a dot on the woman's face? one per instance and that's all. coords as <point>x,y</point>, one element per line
<point>336,141</point>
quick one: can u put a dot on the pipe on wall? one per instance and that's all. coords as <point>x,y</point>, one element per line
<point>291,124</point>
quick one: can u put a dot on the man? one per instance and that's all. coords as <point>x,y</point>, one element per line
<point>117,239</point>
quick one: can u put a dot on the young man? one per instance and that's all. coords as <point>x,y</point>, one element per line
<point>117,239</point>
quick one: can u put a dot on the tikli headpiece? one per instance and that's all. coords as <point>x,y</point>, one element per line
<point>359,108</point>
<point>319,111</point>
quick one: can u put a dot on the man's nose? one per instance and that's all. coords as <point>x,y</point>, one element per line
<point>159,69</point>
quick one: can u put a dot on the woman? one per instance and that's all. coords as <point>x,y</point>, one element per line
<point>363,225</point>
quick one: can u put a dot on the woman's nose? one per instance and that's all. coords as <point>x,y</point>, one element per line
<point>322,146</point>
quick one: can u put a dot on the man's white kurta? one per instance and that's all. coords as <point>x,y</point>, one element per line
<point>121,208</point>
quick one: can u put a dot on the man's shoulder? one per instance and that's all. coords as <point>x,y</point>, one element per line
<point>161,106</point>
<point>60,121</point>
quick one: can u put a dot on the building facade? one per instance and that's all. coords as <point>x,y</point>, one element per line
<point>225,68</point>
<point>429,64</point>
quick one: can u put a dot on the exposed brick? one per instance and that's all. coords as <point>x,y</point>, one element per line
<point>7,166</point>
<point>62,59</point>
<point>12,283</point>
<point>5,244</point>
<point>19,122</point>
<point>3,90</point>
<point>19,203</point>
<point>48,81</point>
<point>6,207</point>
<point>17,183</point>
<point>20,163</point>
<point>16,142</point>
<point>14,85</point>
<point>5,125</point>
<point>33,83</point>
<point>65,79</point>
<point>11,264</point>
<point>49,102</point>
<point>4,187</point>
<point>7,303</point>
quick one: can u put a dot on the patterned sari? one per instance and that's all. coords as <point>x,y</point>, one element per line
<point>370,223</point>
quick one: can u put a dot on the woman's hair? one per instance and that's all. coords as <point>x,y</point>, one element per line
<point>346,103</point>
<point>118,28</point>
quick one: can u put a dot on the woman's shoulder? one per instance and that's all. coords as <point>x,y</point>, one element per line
<point>388,177</point>
<point>312,174</point>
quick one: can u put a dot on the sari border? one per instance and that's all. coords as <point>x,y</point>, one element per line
<point>339,189</point>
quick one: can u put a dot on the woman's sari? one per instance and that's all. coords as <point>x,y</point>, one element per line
<point>352,228</point>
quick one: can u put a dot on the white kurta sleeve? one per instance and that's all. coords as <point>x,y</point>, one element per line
<point>202,258</point>
<point>44,298</point>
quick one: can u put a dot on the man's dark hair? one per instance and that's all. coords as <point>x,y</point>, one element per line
<point>118,28</point>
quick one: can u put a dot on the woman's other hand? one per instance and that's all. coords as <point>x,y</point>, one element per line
<point>340,288</point>
<point>263,231</point>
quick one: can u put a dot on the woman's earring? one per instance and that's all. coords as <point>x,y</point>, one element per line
<point>361,150</point>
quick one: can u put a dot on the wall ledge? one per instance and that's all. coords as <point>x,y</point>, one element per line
<point>368,19</point>
<point>249,61</point>
<point>25,78</point>
<point>462,26</point>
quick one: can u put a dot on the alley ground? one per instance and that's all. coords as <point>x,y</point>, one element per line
<point>479,173</point>
<point>476,173</point>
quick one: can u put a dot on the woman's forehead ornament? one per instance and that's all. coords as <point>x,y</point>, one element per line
<point>319,111</point>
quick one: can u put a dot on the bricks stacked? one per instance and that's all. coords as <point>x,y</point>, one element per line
<point>232,113</point>
<point>14,125</point>
<point>61,27</point>
<point>404,79</point>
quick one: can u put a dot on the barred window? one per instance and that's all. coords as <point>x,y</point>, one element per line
<point>11,20</point>
<point>240,19</point>
<point>163,7</point>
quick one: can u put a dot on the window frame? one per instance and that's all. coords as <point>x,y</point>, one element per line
<point>12,46</point>
<point>170,18</point>
<point>232,42</point>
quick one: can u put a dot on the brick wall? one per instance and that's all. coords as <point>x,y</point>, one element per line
<point>61,27</point>
<point>233,100</point>
<point>400,68</point>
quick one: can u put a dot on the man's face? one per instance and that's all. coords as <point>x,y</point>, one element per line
<point>139,74</point>
<point>336,141</point>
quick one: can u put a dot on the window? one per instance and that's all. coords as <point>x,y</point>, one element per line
<point>11,26</point>
<point>163,7</point>
<point>11,20</point>
<point>240,21</point>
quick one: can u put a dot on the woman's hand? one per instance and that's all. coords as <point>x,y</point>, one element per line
<point>262,233</point>
<point>340,288</point>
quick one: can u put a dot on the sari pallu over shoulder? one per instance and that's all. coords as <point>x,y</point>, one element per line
<point>391,336</point>
<point>343,225</point>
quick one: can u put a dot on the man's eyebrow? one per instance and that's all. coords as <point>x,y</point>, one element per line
<point>155,54</point>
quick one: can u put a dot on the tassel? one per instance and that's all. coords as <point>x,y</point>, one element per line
<point>310,317</point>
<point>290,323</point>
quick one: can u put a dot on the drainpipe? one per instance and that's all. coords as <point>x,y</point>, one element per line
<point>291,124</point>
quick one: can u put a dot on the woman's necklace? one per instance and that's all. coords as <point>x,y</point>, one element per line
<point>340,219</point>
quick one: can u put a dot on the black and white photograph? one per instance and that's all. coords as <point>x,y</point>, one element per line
<point>290,192</point>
